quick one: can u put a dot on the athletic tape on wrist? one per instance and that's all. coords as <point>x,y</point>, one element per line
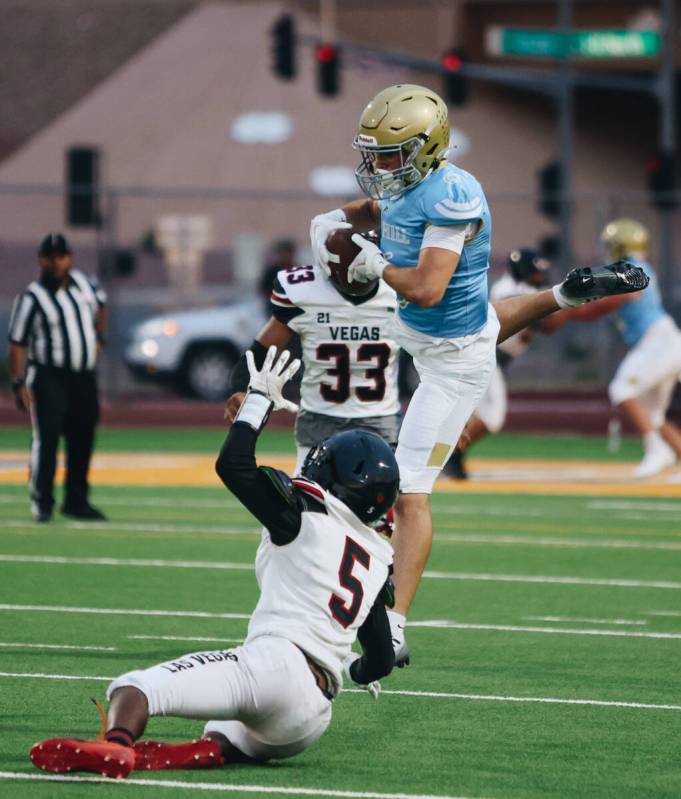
<point>254,410</point>
<point>559,298</point>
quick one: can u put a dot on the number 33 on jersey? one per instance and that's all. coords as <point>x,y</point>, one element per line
<point>349,353</point>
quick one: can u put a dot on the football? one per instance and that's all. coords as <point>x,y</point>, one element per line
<point>340,243</point>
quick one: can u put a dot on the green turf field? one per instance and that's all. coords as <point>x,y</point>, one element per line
<point>546,640</point>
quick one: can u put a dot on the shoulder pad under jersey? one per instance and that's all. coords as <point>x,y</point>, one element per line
<point>452,197</point>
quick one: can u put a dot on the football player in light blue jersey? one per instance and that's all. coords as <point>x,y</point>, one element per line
<point>435,232</point>
<point>644,382</point>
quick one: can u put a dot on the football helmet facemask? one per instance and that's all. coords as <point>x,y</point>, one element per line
<point>359,468</point>
<point>408,120</point>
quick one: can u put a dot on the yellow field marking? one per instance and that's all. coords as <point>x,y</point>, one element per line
<point>488,475</point>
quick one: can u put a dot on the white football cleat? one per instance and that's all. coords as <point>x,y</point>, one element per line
<point>397,625</point>
<point>658,457</point>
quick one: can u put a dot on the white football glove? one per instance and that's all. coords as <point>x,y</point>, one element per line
<point>369,262</point>
<point>320,228</point>
<point>270,380</point>
<point>373,688</point>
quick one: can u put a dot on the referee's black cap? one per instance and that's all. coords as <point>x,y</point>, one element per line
<point>54,244</point>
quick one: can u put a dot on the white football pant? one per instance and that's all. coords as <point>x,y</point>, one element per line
<point>492,407</point>
<point>650,370</point>
<point>262,696</point>
<point>454,375</point>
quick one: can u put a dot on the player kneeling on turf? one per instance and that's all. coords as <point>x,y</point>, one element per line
<point>323,573</point>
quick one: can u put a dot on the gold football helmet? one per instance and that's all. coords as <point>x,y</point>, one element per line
<point>623,237</point>
<point>406,119</point>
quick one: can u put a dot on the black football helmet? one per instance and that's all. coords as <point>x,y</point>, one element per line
<point>528,266</point>
<point>359,468</point>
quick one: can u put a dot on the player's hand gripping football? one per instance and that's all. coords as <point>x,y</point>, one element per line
<point>271,379</point>
<point>372,688</point>
<point>369,262</point>
<point>320,229</point>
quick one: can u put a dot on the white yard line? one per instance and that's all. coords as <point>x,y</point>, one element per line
<point>43,676</point>
<point>621,504</point>
<point>194,614</point>
<point>437,575</point>
<point>550,700</point>
<point>543,541</point>
<point>247,529</point>
<point>186,638</point>
<point>432,623</point>
<point>531,699</point>
<point>19,645</point>
<point>163,564</point>
<point>584,621</point>
<point>221,787</point>
<point>512,628</point>
<point>143,502</point>
<point>530,578</point>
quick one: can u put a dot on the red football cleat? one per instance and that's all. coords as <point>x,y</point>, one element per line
<point>61,755</point>
<point>156,755</point>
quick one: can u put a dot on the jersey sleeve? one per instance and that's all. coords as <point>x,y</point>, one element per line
<point>281,305</point>
<point>267,493</point>
<point>23,311</point>
<point>453,199</point>
<point>374,635</point>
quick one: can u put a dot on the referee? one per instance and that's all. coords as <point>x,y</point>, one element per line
<point>55,333</point>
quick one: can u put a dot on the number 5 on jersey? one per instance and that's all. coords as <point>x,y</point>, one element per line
<point>353,554</point>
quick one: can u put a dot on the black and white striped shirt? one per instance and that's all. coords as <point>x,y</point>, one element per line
<point>58,327</point>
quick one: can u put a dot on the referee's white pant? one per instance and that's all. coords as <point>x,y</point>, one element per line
<point>454,375</point>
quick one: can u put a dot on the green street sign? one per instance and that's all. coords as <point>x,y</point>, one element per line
<point>614,44</point>
<point>538,43</point>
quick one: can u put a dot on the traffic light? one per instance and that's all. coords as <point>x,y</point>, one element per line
<point>328,69</point>
<point>82,187</point>
<point>455,84</point>
<point>661,172</point>
<point>550,186</point>
<point>284,47</point>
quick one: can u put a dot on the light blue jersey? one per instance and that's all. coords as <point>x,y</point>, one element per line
<point>449,196</point>
<point>635,317</point>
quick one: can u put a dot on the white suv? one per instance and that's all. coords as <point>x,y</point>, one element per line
<point>195,350</point>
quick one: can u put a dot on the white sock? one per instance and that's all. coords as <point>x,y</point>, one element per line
<point>562,300</point>
<point>397,621</point>
<point>652,440</point>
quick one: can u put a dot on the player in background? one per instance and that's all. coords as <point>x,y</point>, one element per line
<point>527,273</point>
<point>436,229</point>
<point>348,349</point>
<point>325,583</point>
<point>644,382</point>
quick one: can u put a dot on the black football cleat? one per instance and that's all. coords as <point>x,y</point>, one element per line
<point>87,512</point>
<point>590,283</point>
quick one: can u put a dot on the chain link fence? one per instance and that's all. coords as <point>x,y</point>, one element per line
<point>146,276</point>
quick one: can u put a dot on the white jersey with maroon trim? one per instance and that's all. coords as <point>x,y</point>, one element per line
<point>503,289</point>
<point>349,353</point>
<point>317,590</point>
